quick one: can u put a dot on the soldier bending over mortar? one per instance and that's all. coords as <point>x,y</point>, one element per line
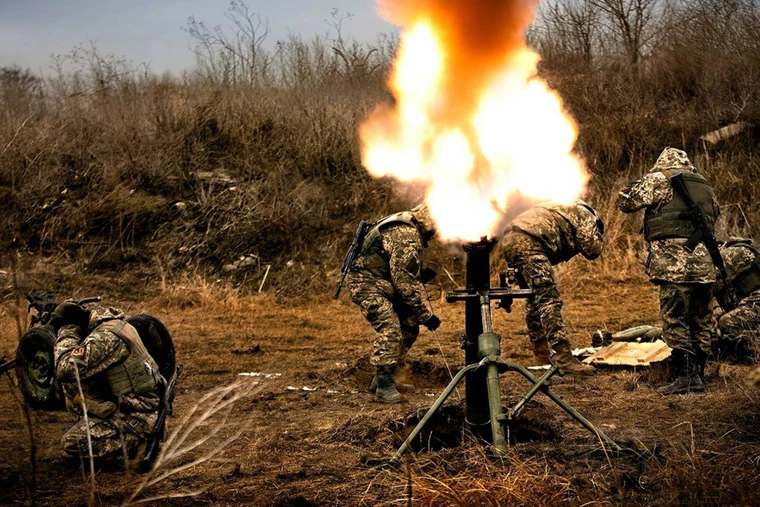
<point>385,282</point>
<point>534,242</point>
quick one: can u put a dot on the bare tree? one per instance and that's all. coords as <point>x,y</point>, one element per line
<point>572,28</point>
<point>632,22</point>
<point>236,54</point>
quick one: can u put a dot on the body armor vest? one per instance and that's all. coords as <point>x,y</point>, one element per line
<point>747,281</point>
<point>138,373</point>
<point>373,255</point>
<point>672,220</point>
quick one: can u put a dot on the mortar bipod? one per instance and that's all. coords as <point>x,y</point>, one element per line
<point>489,352</point>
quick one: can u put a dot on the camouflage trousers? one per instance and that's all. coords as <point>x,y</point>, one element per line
<point>687,316</point>
<point>110,437</point>
<point>743,323</point>
<point>394,323</point>
<point>543,315</point>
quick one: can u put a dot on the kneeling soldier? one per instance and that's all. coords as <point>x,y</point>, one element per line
<point>385,282</point>
<point>534,242</point>
<point>740,324</point>
<point>119,379</point>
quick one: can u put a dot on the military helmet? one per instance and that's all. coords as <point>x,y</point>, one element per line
<point>587,226</point>
<point>421,214</point>
<point>672,158</point>
<point>69,313</point>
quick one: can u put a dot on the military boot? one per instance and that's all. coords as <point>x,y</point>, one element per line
<point>687,379</point>
<point>567,363</point>
<point>386,391</point>
<point>400,386</point>
<point>541,352</point>
<point>701,365</point>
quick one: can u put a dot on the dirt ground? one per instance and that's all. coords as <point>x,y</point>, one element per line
<point>311,432</point>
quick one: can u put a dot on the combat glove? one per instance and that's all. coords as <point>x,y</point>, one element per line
<point>432,323</point>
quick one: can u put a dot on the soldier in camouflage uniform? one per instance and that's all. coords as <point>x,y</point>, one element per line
<point>685,278</point>
<point>740,325</point>
<point>119,379</point>
<point>534,242</point>
<point>385,282</point>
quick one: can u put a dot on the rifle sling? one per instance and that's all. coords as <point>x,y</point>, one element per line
<point>694,240</point>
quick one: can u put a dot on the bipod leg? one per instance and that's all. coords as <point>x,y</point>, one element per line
<point>539,385</point>
<point>432,410</point>
<point>565,406</point>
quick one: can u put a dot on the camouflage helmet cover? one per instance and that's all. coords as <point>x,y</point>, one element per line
<point>587,226</point>
<point>101,314</point>
<point>421,213</point>
<point>672,158</point>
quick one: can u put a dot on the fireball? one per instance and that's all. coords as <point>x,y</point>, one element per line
<point>471,119</point>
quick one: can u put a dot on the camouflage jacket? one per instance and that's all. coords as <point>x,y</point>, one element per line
<point>402,247</point>
<point>667,261</point>
<point>93,356</point>
<point>558,232</point>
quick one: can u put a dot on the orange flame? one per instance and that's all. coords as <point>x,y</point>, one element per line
<point>471,120</point>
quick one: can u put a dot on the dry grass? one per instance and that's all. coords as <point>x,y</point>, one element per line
<point>202,436</point>
<point>112,167</point>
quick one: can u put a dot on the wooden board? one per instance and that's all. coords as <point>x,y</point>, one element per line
<point>630,354</point>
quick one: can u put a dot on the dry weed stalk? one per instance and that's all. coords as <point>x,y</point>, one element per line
<point>91,498</point>
<point>204,428</point>
<point>26,415</point>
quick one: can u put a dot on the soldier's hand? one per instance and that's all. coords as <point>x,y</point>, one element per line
<point>432,323</point>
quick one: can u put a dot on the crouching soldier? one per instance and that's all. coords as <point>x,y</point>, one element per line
<point>385,282</point>
<point>534,242</point>
<point>678,261</point>
<point>739,325</point>
<point>120,381</point>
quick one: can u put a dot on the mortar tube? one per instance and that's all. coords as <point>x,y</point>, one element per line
<point>478,278</point>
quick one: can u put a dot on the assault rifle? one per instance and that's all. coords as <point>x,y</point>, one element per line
<point>353,252</point>
<point>166,410</point>
<point>6,366</point>
<point>703,233</point>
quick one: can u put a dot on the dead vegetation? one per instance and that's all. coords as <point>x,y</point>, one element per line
<point>253,160</point>
<point>316,446</point>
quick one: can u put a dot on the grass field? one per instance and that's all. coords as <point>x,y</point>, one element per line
<point>317,446</point>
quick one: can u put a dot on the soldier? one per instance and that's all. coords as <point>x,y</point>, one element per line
<point>119,379</point>
<point>685,278</point>
<point>740,325</point>
<point>534,242</point>
<point>385,282</point>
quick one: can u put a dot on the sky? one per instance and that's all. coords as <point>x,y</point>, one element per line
<point>151,30</point>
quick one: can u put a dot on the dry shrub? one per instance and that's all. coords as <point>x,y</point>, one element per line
<point>256,154</point>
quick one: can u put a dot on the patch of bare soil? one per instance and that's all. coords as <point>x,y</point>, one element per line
<point>314,432</point>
